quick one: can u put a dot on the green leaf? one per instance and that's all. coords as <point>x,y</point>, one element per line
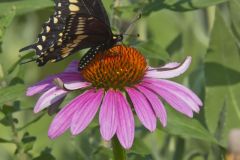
<point>234,13</point>
<point>5,141</point>
<point>139,147</point>
<point>12,93</point>
<point>8,121</point>
<point>28,142</point>
<point>222,74</point>
<point>9,109</point>
<point>5,20</point>
<point>1,68</point>
<point>183,126</point>
<point>134,156</point>
<point>45,155</point>
<point>101,152</point>
<point>152,50</point>
<point>176,5</point>
<point>193,4</point>
<point>24,6</point>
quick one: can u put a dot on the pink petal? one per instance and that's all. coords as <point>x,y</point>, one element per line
<point>41,86</point>
<point>50,97</point>
<point>178,88</point>
<point>63,119</point>
<point>76,85</point>
<point>171,65</point>
<point>108,115</point>
<point>190,102</point>
<point>85,113</point>
<point>166,66</point>
<point>175,101</point>
<point>72,67</point>
<point>47,83</point>
<point>157,105</point>
<point>67,77</point>
<point>169,72</point>
<point>143,109</point>
<point>71,73</point>
<point>125,129</point>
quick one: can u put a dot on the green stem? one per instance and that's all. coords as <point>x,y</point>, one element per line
<point>30,123</point>
<point>118,151</point>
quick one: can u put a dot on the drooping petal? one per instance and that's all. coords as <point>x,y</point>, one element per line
<point>72,67</point>
<point>41,86</point>
<point>68,77</point>
<point>125,129</point>
<point>85,113</point>
<point>50,97</point>
<point>47,83</point>
<point>63,119</point>
<point>176,87</point>
<point>169,72</point>
<point>76,85</point>
<point>170,65</point>
<point>166,66</point>
<point>175,101</point>
<point>156,103</point>
<point>108,115</point>
<point>71,73</point>
<point>143,109</point>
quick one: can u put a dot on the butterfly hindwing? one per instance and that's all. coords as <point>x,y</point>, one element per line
<point>76,24</point>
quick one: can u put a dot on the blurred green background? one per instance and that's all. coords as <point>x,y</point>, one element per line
<point>208,30</point>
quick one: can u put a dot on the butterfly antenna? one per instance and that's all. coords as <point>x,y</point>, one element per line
<point>25,61</point>
<point>26,48</point>
<point>133,22</point>
<point>132,35</point>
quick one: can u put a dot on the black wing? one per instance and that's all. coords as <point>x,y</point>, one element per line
<point>97,10</point>
<point>75,25</point>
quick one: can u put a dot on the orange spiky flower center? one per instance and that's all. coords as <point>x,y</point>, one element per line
<point>117,67</point>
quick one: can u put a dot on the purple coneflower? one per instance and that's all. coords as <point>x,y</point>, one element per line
<point>111,82</point>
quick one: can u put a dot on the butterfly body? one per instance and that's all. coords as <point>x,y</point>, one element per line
<point>98,49</point>
<point>75,25</point>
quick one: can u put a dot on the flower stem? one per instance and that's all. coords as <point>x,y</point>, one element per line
<point>118,151</point>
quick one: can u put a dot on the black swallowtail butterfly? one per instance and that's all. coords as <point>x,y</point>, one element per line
<point>75,25</point>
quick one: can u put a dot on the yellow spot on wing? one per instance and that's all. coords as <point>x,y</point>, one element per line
<point>79,32</point>
<point>73,8</point>
<point>44,38</point>
<point>53,60</point>
<point>55,20</point>
<point>40,47</point>
<point>51,49</point>
<point>73,1</point>
<point>48,29</point>
<point>66,51</point>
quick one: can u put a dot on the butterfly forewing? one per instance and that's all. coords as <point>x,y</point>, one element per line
<point>84,32</point>
<point>76,24</point>
<point>98,10</point>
